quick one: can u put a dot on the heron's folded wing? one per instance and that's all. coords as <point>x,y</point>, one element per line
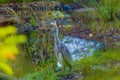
<point>65,52</point>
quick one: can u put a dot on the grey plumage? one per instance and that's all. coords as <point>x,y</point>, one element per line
<point>60,49</point>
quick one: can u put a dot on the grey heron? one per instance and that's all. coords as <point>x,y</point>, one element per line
<point>60,49</point>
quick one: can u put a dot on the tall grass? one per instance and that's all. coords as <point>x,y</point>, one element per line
<point>103,65</point>
<point>106,10</point>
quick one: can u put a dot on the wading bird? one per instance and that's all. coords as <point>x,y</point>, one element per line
<point>60,49</point>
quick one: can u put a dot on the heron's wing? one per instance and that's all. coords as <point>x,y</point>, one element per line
<point>65,53</point>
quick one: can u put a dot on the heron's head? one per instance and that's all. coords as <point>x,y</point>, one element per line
<point>54,25</point>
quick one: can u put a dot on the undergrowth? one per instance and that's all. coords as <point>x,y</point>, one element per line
<point>103,65</point>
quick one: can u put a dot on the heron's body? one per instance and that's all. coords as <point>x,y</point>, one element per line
<point>61,51</point>
<point>63,55</point>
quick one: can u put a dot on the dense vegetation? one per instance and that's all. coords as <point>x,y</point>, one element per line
<point>37,60</point>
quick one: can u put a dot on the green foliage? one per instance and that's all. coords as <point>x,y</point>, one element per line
<point>105,19</point>
<point>103,27</point>
<point>58,14</point>
<point>102,75</point>
<point>23,64</point>
<point>106,10</point>
<point>6,77</point>
<point>48,75</point>
<point>4,1</point>
<point>31,46</point>
<point>81,18</point>
<point>103,65</point>
<point>66,1</point>
<point>45,71</point>
<point>33,21</point>
<point>37,44</point>
<point>10,1</point>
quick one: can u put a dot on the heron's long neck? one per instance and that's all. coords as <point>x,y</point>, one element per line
<point>56,34</point>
